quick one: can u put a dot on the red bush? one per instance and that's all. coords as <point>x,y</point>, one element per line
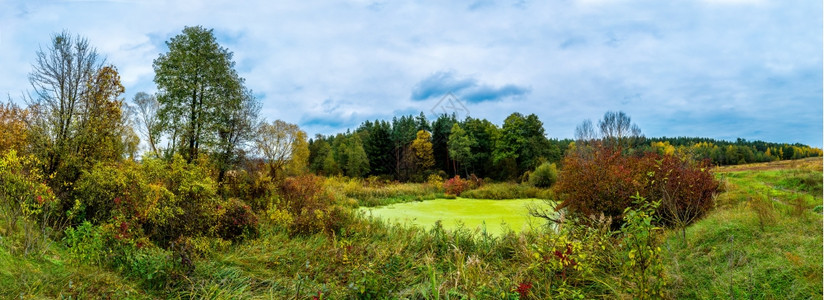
<point>685,188</point>
<point>604,181</point>
<point>456,185</point>
<point>601,182</point>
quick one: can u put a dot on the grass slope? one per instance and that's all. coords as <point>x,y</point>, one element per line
<point>737,252</point>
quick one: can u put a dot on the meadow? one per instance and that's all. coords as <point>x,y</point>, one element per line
<point>762,241</point>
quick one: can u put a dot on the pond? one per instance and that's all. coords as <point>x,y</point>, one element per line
<point>495,215</point>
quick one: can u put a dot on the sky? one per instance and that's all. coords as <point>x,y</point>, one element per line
<point>721,69</point>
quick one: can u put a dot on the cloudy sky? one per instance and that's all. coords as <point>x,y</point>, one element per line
<point>720,69</point>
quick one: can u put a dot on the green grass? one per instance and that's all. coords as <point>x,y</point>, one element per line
<point>54,275</point>
<point>725,255</point>
<point>728,255</point>
<point>493,216</point>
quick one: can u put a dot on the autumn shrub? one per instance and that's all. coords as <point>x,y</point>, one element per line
<point>686,189</point>
<point>602,181</point>
<point>236,221</point>
<point>25,200</point>
<point>106,187</point>
<point>311,207</point>
<point>455,185</point>
<point>544,175</point>
<point>86,243</point>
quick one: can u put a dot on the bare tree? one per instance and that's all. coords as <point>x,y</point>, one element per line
<point>146,118</point>
<point>59,79</point>
<point>618,130</point>
<point>585,132</point>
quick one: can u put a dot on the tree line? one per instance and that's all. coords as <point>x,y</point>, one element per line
<point>411,148</point>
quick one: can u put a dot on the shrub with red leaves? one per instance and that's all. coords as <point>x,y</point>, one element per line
<point>604,181</point>
<point>601,182</point>
<point>456,185</point>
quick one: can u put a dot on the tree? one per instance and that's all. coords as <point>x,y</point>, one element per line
<point>147,119</point>
<point>13,130</point>
<point>485,134</point>
<point>59,79</point>
<point>378,146</point>
<point>421,151</point>
<point>280,144</point>
<point>585,131</point>
<point>441,129</point>
<point>235,127</point>
<point>460,147</point>
<point>523,142</point>
<point>617,129</point>
<point>356,162</point>
<point>199,90</point>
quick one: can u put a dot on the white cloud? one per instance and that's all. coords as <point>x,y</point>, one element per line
<point>657,61</point>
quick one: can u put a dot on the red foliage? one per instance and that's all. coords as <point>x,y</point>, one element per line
<point>604,181</point>
<point>686,189</point>
<point>456,185</point>
<point>523,289</point>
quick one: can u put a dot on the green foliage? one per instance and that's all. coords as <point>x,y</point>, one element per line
<point>641,264</point>
<point>544,175</point>
<point>460,147</point>
<point>508,190</point>
<point>86,243</point>
<point>199,92</point>
<point>24,198</point>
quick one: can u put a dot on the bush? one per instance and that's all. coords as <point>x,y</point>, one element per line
<point>311,207</point>
<point>601,182</point>
<point>26,199</point>
<point>605,181</point>
<point>86,243</point>
<point>544,175</point>
<point>455,186</point>
<point>686,190</point>
<point>236,221</point>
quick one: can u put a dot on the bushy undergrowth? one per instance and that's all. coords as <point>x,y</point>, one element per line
<point>508,190</point>
<point>374,191</point>
<point>544,175</point>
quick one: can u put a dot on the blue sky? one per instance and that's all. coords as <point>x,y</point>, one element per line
<point>720,69</point>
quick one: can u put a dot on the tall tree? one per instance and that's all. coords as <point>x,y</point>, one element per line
<point>60,78</point>
<point>235,127</point>
<point>617,129</point>
<point>147,119</point>
<point>378,146</point>
<point>421,153</point>
<point>460,147</point>
<point>282,144</point>
<point>522,145</point>
<point>441,128</point>
<point>198,88</point>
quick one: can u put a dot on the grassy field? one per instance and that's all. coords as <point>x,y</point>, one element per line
<point>763,241</point>
<point>492,216</point>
